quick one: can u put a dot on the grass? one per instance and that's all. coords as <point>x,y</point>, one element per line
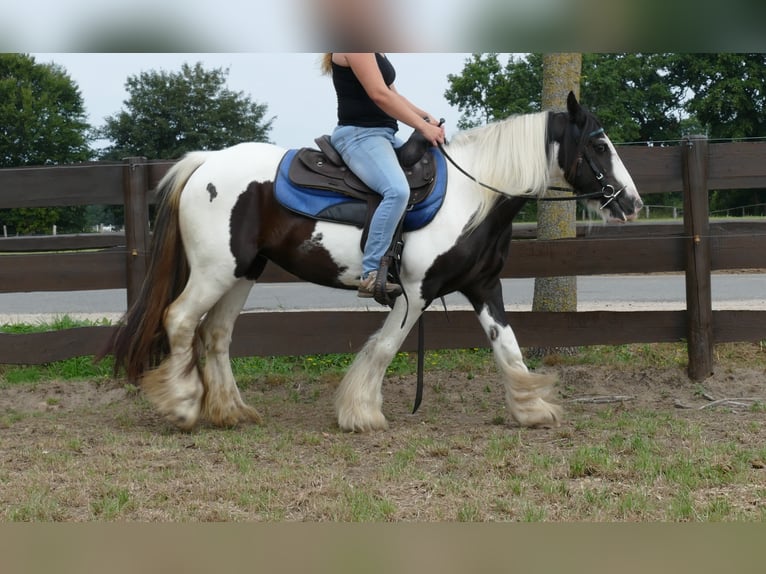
<point>57,324</point>
<point>279,370</point>
<point>486,474</point>
<point>471,362</point>
<point>458,461</point>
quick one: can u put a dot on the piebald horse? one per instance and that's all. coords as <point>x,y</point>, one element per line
<point>219,223</point>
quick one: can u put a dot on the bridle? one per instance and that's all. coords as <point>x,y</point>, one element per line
<point>608,193</point>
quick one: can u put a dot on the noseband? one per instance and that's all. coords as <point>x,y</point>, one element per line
<point>608,193</point>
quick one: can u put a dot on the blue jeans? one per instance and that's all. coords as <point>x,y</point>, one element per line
<point>369,153</point>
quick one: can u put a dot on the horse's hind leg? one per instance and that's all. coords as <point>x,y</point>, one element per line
<point>222,404</point>
<point>175,386</point>
<point>525,392</point>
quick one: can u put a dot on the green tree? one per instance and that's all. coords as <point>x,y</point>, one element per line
<point>725,92</point>
<point>632,96</point>
<point>639,98</point>
<point>726,97</point>
<point>42,122</point>
<point>168,114</point>
<point>487,91</point>
<point>631,93</point>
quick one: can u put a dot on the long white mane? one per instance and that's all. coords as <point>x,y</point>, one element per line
<point>509,155</point>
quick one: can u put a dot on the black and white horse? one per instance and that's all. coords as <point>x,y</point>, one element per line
<point>219,223</point>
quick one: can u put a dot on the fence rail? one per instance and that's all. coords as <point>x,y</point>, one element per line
<point>695,246</point>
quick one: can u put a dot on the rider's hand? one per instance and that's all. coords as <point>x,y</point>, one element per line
<point>432,132</point>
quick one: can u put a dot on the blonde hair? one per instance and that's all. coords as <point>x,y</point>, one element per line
<point>326,64</point>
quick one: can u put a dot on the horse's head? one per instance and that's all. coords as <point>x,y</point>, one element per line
<point>590,163</point>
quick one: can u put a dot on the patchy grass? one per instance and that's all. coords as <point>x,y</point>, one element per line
<point>93,449</point>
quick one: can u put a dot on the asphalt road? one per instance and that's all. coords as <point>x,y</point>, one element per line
<point>736,291</point>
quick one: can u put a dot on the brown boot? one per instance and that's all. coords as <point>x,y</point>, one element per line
<point>367,287</point>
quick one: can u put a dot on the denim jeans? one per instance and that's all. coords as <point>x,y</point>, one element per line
<point>369,153</point>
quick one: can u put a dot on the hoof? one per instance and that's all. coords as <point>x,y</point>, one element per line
<point>233,416</point>
<point>538,413</point>
<point>184,416</point>
<point>351,422</point>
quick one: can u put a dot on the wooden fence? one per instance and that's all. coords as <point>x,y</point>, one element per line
<point>696,247</point>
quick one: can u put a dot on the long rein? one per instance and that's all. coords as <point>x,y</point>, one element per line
<point>596,171</point>
<point>421,326</point>
<point>550,187</point>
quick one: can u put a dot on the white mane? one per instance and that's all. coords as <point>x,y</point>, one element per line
<point>509,155</point>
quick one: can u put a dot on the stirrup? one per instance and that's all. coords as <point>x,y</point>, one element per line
<point>384,291</point>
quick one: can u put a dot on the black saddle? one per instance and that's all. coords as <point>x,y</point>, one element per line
<point>325,169</point>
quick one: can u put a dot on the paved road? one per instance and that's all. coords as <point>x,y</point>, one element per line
<point>738,291</point>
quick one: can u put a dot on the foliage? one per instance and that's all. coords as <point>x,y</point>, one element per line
<point>727,95</point>
<point>655,98</point>
<point>42,116</point>
<point>641,97</point>
<point>487,91</point>
<point>42,122</point>
<point>629,94</point>
<point>730,102</point>
<point>169,114</point>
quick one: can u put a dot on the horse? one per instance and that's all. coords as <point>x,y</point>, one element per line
<point>218,224</point>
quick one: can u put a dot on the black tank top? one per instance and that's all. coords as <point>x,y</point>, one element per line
<point>355,108</point>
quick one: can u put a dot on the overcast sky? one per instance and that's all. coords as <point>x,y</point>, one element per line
<point>290,84</point>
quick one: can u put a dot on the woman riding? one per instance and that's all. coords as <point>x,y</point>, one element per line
<point>369,108</point>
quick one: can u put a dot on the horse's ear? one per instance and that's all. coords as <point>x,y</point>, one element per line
<point>575,109</point>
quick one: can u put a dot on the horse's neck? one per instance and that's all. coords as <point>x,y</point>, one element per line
<point>510,154</point>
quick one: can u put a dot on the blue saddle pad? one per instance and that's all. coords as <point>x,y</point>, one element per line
<point>327,205</point>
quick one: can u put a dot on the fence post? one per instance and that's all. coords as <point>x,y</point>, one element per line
<point>136,191</point>
<point>699,304</point>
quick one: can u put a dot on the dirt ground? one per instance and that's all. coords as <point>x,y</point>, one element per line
<point>81,451</point>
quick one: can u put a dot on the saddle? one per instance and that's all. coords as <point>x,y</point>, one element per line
<point>325,169</point>
<point>318,184</point>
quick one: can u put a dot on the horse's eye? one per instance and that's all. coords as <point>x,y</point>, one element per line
<point>600,148</point>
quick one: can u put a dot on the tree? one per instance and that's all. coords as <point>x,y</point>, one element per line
<point>632,95</point>
<point>726,96</point>
<point>556,219</point>
<point>726,92</point>
<point>639,98</point>
<point>486,91</point>
<point>42,122</point>
<point>168,114</point>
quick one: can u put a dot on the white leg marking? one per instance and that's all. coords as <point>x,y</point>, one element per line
<point>359,398</point>
<point>525,392</point>
<point>175,387</point>
<point>222,404</point>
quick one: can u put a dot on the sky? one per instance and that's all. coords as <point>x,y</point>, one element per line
<point>298,96</point>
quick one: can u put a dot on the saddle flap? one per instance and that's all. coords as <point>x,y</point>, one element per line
<point>311,168</point>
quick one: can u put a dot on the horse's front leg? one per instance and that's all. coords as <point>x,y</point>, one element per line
<point>526,393</point>
<point>359,399</point>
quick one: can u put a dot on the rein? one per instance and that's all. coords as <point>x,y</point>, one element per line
<point>604,193</point>
<point>609,196</point>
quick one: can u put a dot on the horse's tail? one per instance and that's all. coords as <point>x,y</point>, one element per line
<point>140,341</point>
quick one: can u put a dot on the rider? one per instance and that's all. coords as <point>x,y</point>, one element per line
<point>368,110</point>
